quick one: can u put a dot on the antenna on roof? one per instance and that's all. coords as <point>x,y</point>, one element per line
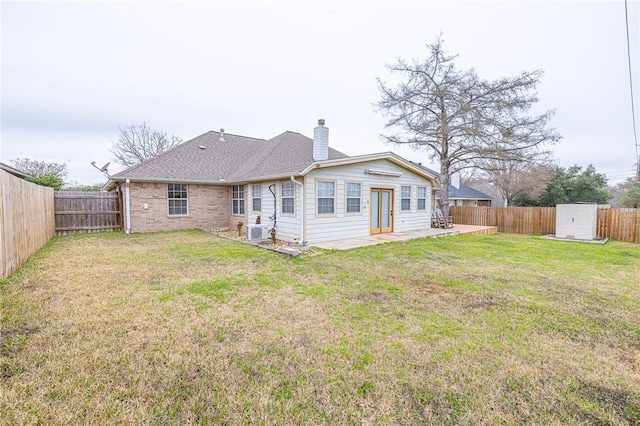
<point>221,135</point>
<point>103,169</point>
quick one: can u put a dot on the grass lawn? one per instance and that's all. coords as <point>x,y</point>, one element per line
<point>188,328</point>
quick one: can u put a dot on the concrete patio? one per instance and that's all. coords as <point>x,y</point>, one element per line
<point>409,235</point>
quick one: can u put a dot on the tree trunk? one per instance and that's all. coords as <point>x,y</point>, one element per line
<point>444,191</point>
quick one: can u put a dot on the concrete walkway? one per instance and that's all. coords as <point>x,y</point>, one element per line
<point>407,235</point>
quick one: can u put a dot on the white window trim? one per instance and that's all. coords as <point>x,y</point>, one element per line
<point>243,198</point>
<point>346,197</point>
<point>253,197</point>
<point>188,204</point>
<point>418,198</point>
<point>288,182</point>
<point>404,198</point>
<point>335,198</point>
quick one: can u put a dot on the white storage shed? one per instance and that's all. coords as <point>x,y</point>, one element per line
<point>576,221</point>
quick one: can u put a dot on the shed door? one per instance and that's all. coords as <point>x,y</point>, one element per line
<point>564,221</point>
<point>584,221</point>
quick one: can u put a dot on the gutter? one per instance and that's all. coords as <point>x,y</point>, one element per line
<point>293,179</point>
<point>127,202</point>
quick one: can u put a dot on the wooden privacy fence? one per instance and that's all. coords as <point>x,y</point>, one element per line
<point>516,220</point>
<point>26,220</point>
<point>87,212</point>
<point>619,224</point>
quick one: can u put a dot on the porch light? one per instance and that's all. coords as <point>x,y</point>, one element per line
<point>382,172</point>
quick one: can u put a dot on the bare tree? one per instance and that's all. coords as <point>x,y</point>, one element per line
<point>138,142</point>
<point>38,168</point>
<point>459,118</point>
<point>619,191</point>
<point>512,177</point>
<point>471,175</point>
<point>632,196</point>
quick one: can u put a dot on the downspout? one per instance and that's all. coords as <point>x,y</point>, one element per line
<point>302,208</point>
<point>275,208</point>
<point>127,202</point>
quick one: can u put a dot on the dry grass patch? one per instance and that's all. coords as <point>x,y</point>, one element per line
<point>188,328</point>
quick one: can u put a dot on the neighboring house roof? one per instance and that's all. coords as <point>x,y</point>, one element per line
<point>13,171</point>
<point>464,192</point>
<point>236,159</point>
<point>490,190</point>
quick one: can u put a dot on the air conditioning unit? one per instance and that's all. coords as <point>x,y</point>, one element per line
<point>258,232</point>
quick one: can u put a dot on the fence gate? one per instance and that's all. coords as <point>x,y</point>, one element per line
<point>87,211</point>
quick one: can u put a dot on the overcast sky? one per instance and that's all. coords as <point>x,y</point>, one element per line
<point>73,72</point>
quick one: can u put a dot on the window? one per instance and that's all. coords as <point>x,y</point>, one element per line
<point>405,199</point>
<point>422,198</point>
<point>256,195</point>
<point>288,198</point>
<point>237,199</point>
<point>353,197</point>
<point>178,199</point>
<point>326,197</point>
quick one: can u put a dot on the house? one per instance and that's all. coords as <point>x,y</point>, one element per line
<point>459,193</point>
<point>489,189</point>
<point>13,171</point>
<point>297,185</point>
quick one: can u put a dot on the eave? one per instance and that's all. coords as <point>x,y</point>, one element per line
<point>394,158</point>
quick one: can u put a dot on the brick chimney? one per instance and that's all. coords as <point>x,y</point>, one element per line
<point>320,142</point>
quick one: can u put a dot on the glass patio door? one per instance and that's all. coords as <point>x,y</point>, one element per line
<point>381,211</point>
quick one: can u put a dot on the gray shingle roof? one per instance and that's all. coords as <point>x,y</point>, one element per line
<point>466,193</point>
<point>206,158</point>
<point>284,154</point>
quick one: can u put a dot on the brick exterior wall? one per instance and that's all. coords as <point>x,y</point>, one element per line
<point>209,207</point>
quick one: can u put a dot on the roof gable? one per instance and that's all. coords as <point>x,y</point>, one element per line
<point>394,158</point>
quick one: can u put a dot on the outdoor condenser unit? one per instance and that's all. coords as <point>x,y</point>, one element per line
<point>258,232</point>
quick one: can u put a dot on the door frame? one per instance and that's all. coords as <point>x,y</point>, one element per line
<point>380,229</point>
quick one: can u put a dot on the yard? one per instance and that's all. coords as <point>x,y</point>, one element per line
<point>188,328</point>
